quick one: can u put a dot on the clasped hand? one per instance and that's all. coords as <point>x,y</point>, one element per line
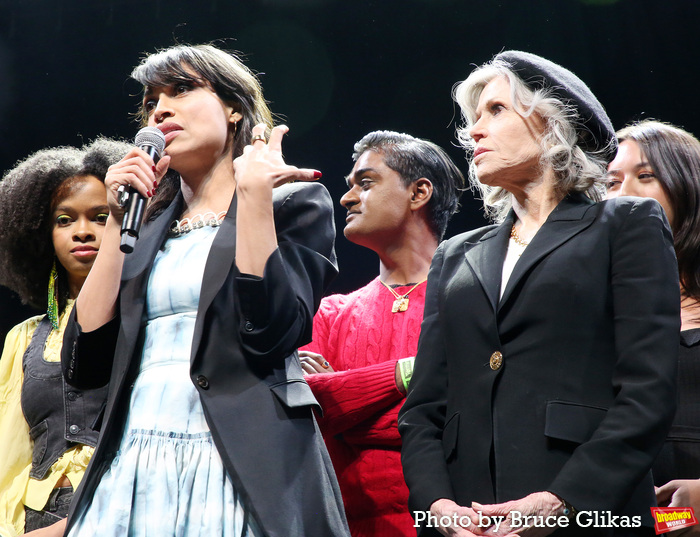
<point>507,519</point>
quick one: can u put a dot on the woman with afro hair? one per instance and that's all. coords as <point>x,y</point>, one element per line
<point>53,208</point>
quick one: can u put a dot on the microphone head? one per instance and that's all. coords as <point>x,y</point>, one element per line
<point>150,136</point>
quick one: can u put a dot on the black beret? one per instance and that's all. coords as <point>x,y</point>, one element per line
<point>595,130</point>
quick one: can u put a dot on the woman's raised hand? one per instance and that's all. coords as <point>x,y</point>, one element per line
<point>262,164</point>
<point>137,170</point>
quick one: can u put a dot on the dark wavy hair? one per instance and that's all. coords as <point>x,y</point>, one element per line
<point>234,83</point>
<point>28,193</point>
<point>674,155</point>
<point>413,159</point>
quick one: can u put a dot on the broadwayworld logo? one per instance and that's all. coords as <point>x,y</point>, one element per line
<point>672,518</point>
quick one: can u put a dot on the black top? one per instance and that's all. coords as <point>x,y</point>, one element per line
<point>680,455</point>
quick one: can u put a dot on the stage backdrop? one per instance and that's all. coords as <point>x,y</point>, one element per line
<point>333,71</point>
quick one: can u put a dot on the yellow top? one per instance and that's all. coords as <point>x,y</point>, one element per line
<point>17,489</point>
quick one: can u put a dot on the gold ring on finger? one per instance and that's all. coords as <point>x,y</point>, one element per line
<point>258,137</point>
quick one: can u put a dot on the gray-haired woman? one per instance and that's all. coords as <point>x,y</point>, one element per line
<point>545,375</point>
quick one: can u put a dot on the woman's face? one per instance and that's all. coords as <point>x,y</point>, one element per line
<point>507,148</point>
<point>629,174</point>
<point>79,217</point>
<point>195,121</point>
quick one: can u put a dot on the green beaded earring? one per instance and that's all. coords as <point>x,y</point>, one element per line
<point>52,310</point>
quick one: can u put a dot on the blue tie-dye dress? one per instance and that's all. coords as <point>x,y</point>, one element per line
<point>167,478</point>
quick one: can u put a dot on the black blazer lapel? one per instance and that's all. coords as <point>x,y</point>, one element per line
<point>569,218</point>
<point>219,262</point>
<point>486,256</point>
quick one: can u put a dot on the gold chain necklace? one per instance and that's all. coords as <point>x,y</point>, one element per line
<point>401,302</point>
<point>516,238</point>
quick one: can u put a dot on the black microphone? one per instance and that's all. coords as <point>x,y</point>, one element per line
<point>152,141</point>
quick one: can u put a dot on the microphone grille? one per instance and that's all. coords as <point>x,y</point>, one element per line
<point>152,137</point>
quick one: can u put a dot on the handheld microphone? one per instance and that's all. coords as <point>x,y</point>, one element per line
<point>152,141</point>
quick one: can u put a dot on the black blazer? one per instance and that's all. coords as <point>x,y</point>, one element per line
<point>243,363</point>
<point>584,393</point>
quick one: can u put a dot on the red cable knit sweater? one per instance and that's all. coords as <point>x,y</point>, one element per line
<point>362,339</point>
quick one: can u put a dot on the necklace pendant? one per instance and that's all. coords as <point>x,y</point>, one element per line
<point>400,304</point>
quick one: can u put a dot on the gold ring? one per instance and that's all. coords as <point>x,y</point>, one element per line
<point>258,137</point>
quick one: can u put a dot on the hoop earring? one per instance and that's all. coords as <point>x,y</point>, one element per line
<point>52,310</point>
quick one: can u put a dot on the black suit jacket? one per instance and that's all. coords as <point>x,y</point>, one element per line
<point>588,331</point>
<point>243,363</point>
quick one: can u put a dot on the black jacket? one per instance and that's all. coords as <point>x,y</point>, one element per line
<point>582,399</point>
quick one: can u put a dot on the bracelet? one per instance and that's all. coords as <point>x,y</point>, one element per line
<point>406,371</point>
<point>569,511</point>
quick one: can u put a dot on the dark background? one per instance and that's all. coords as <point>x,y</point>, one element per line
<point>334,70</point>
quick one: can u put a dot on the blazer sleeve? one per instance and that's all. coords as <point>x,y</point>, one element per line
<point>422,418</point>
<point>87,357</point>
<point>646,302</point>
<point>276,311</point>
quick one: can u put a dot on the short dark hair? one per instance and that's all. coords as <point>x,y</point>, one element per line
<point>414,158</point>
<point>27,193</point>
<point>233,82</point>
<point>674,155</point>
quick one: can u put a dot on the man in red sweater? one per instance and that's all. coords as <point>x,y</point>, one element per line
<point>402,192</point>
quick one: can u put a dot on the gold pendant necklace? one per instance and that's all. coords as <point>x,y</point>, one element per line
<point>401,302</point>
